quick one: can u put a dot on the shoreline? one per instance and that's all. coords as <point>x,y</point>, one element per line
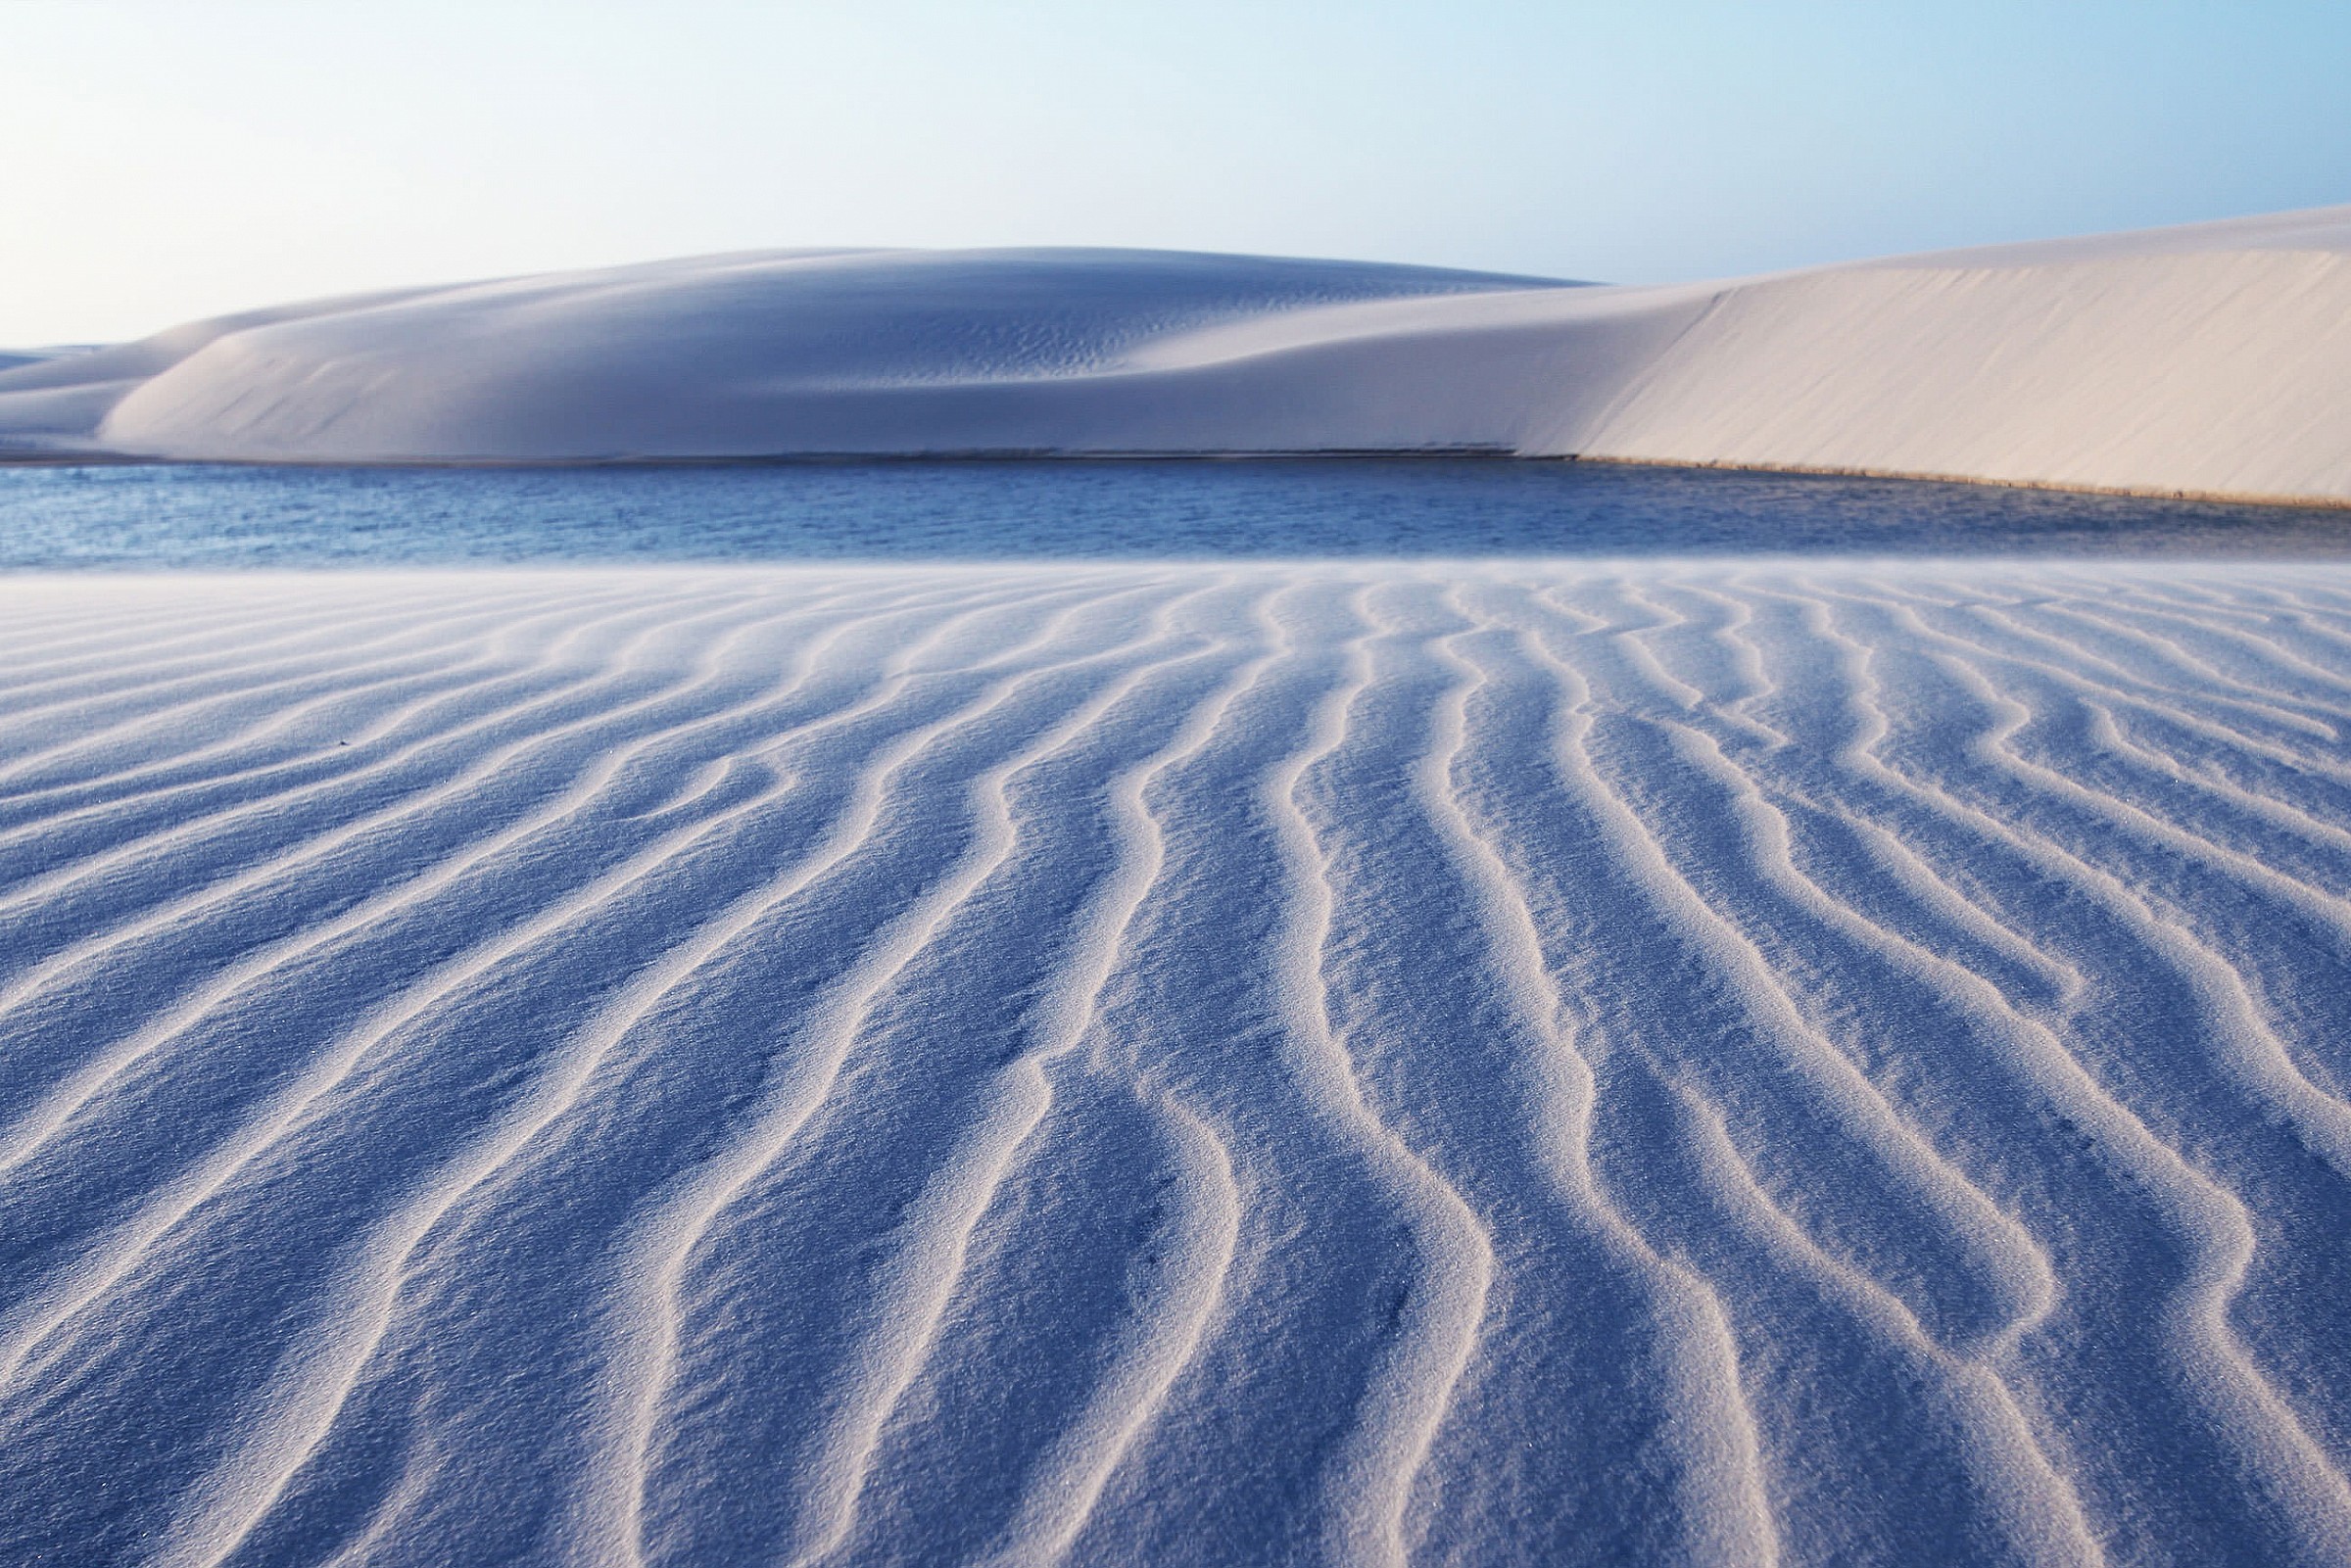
<point>1052,455</point>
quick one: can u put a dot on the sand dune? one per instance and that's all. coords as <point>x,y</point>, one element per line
<point>1463,1064</point>
<point>2210,360</point>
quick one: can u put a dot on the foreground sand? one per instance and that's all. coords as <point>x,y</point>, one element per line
<point>1482,1065</point>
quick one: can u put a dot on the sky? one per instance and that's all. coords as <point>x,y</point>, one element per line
<point>165,160</point>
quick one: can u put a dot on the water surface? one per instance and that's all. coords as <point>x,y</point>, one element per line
<point>170,515</point>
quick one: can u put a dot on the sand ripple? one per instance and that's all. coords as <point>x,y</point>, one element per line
<point>1721,1065</point>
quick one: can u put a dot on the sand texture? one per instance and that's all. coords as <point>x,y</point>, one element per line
<point>2213,360</point>
<point>1451,1064</point>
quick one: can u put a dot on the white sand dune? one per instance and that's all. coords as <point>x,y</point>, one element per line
<point>1460,1064</point>
<point>2209,359</point>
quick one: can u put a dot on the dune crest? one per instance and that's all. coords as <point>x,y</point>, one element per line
<point>2211,360</point>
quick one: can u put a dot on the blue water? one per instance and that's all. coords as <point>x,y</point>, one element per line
<point>210,516</point>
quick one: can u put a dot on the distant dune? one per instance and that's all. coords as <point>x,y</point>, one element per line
<point>2210,360</point>
<point>1547,1064</point>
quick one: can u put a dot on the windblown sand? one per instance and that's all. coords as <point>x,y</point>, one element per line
<point>1483,1064</point>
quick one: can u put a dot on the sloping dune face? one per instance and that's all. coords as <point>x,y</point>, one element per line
<point>2201,361</point>
<point>775,353</point>
<point>1464,1065</point>
<point>2211,360</point>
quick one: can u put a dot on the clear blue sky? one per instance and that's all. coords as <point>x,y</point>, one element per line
<point>178,158</point>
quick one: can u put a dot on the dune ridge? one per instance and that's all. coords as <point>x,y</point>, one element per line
<point>2210,360</point>
<point>1503,1062</point>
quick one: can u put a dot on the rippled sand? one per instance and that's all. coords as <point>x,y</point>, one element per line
<point>1498,1063</point>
